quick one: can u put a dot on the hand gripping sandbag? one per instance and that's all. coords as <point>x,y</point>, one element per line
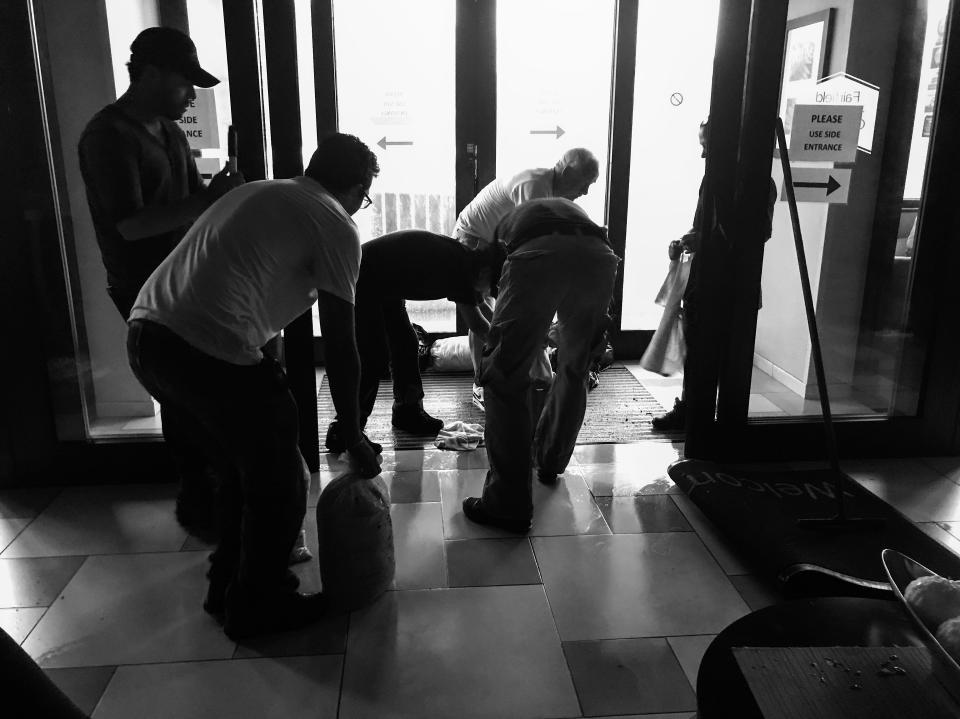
<point>355,541</point>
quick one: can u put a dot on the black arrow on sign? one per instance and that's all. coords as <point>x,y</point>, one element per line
<point>384,142</point>
<point>830,185</point>
<point>558,131</point>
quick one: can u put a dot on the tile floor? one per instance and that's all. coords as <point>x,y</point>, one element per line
<point>604,610</point>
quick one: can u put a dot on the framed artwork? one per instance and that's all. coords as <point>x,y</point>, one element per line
<point>805,57</point>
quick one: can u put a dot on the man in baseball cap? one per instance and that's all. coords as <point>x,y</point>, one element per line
<point>144,192</point>
<point>169,49</point>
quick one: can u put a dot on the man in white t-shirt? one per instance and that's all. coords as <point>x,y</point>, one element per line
<point>570,178</point>
<point>255,260</point>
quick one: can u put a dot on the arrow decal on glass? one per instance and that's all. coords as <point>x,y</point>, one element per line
<point>830,185</point>
<point>384,142</point>
<point>558,131</point>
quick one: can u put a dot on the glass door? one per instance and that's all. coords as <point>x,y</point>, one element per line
<point>395,91</point>
<point>881,71</point>
<point>549,99</point>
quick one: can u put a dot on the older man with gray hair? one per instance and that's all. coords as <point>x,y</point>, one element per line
<point>570,178</point>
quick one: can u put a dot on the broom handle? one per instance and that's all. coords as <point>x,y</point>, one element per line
<point>811,316</point>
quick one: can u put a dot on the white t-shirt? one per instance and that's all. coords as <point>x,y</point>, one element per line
<point>479,219</point>
<point>251,264</point>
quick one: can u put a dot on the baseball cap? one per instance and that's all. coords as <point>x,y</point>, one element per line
<point>170,49</point>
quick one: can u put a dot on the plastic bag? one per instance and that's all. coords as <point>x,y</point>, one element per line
<point>451,354</point>
<point>355,547</point>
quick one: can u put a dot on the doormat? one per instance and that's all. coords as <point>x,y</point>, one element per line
<point>619,410</point>
<point>757,511</point>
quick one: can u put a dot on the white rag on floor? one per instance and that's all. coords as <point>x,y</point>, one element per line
<point>461,436</point>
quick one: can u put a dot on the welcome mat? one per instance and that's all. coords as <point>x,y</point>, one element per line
<point>757,511</point>
<point>619,410</point>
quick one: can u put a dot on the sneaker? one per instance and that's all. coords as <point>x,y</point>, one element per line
<point>478,398</point>
<point>673,421</point>
<point>474,511</point>
<point>416,421</point>
<point>249,613</point>
<point>336,445</point>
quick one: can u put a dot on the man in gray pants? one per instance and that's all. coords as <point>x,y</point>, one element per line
<point>559,263</point>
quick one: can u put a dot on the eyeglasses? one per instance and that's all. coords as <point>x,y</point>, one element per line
<point>366,201</point>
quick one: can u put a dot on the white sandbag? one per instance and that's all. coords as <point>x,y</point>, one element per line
<point>355,535</point>
<point>451,354</point>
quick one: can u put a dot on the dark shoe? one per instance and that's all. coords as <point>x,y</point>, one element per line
<point>474,511</point>
<point>546,477</point>
<point>251,613</point>
<point>673,421</point>
<point>416,421</point>
<point>215,601</point>
<point>336,445</point>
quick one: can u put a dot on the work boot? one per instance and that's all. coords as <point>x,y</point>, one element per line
<point>215,601</point>
<point>414,420</point>
<point>474,510</point>
<point>336,445</point>
<point>673,421</point>
<point>250,612</point>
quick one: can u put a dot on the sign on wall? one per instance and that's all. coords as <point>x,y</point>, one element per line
<point>843,89</point>
<point>825,133</point>
<point>199,122</point>
<point>820,184</point>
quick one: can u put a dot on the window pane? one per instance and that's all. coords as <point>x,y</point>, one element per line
<point>552,94</point>
<point>671,97</point>
<point>861,241</point>
<point>395,91</point>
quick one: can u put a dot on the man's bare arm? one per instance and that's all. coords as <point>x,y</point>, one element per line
<point>153,221</point>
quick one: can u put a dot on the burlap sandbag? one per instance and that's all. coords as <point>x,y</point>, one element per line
<point>355,541</point>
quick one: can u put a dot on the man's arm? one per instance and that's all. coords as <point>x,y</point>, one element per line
<point>152,221</point>
<point>473,316</point>
<point>343,368</point>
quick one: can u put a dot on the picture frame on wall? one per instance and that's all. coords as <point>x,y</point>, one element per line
<point>806,53</point>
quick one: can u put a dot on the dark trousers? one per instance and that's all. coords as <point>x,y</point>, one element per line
<point>190,458</point>
<point>386,339</point>
<point>246,418</point>
<point>572,277</point>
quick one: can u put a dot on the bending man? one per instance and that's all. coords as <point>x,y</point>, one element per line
<point>558,262</point>
<point>570,178</point>
<point>412,265</point>
<point>256,260</point>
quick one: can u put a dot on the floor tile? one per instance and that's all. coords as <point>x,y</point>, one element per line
<point>239,689</point>
<point>130,609</point>
<point>25,503</point>
<point>760,406</point>
<point>454,488</point>
<point>10,528</point>
<point>407,487</point>
<point>651,513</point>
<point>18,623</point>
<point>689,651</point>
<point>35,582</point>
<point>458,653</point>
<point>417,460</point>
<point>418,544</point>
<point>565,508</point>
<point>627,480</point>
<point>84,685</point>
<point>911,486</point>
<point>949,467</point>
<point>947,533</point>
<point>635,585</point>
<point>628,675</point>
<point>643,456</point>
<point>726,555</point>
<point>103,520</point>
<point>491,562</point>
<point>757,592</point>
